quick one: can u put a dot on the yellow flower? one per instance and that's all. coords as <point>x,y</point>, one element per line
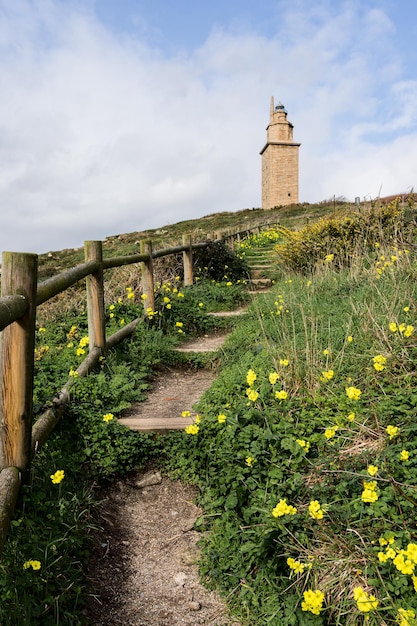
<point>313,601</point>
<point>350,338</point>
<point>403,564</point>
<point>297,566</point>
<point>201,304</point>
<point>166,300</point>
<point>144,296</point>
<point>326,351</point>
<point>372,470</point>
<point>221,418</point>
<point>406,309</point>
<point>250,377</point>
<point>369,496</point>
<point>281,395</point>
<point>33,563</point>
<point>111,307</point>
<point>192,429</point>
<point>185,413</point>
<point>304,444</point>
<point>328,375</point>
<point>328,258</point>
<point>330,432</point>
<point>80,351</point>
<point>364,600</point>
<point>351,417</point>
<point>353,393</point>
<point>404,455</point>
<point>406,617</point>
<point>314,510</point>
<point>408,330</point>
<point>379,362</point>
<point>84,341</point>
<point>282,508</point>
<point>41,329</point>
<point>130,295</point>
<point>73,373</point>
<point>197,419</point>
<point>392,431</point>
<point>393,327</point>
<point>57,477</point>
<point>284,362</point>
<point>252,394</point>
<point>179,324</point>
<point>273,377</point>
<point>108,417</point>
<point>250,461</point>
<point>412,552</point>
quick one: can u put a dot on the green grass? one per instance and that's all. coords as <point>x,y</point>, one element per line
<point>341,345</point>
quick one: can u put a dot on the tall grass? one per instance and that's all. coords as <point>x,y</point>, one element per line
<point>309,485</point>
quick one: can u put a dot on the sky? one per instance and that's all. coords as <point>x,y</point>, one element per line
<point>123,115</point>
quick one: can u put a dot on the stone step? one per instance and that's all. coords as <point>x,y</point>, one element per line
<point>155,424</point>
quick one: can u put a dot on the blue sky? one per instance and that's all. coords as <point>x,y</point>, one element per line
<point>123,115</point>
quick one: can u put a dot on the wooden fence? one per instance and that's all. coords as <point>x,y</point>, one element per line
<point>20,296</point>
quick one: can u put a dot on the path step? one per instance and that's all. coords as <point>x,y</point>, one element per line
<point>156,425</point>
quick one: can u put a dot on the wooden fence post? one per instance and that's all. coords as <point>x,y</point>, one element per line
<point>147,275</point>
<point>93,251</point>
<point>19,276</point>
<point>187,257</point>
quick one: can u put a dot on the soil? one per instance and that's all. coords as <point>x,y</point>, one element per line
<point>143,569</point>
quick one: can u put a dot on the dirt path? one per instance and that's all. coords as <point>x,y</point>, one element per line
<point>144,569</point>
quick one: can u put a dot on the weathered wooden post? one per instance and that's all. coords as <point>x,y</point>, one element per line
<point>19,276</point>
<point>147,275</point>
<point>187,257</point>
<point>93,251</point>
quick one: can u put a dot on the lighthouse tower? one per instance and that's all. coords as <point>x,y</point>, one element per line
<point>279,161</point>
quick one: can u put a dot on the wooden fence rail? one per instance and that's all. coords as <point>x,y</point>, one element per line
<point>20,297</point>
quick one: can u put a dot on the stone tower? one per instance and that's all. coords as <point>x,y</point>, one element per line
<point>279,161</point>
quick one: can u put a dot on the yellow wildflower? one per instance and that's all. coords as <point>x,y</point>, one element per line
<point>108,417</point>
<point>372,470</point>
<point>57,477</point>
<point>281,395</point>
<point>406,617</point>
<point>33,563</point>
<point>297,566</point>
<point>251,377</point>
<point>284,362</point>
<point>304,444</point>
<point>392,431</point>
<point>192,429</point>
<point>328,375</point>
<point>221,418</point>
<point>313,601</point>
<point>353,393</point>
<point>330,432</point>
<point>252,394</point>
<point>314,510</point>
<point>364,600</point>
<point>282,508</point>
<point>185,413</point>
<point>273,377</point>
<point>404,455</point>
<point>379,362</point>
<point>250,461</point>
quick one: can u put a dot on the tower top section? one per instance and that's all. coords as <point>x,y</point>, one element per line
<point>279,129</point>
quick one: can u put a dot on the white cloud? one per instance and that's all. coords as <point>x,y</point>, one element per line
<point>100,134</point>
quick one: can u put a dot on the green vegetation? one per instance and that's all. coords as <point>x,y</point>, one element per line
<point>305,447</point>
